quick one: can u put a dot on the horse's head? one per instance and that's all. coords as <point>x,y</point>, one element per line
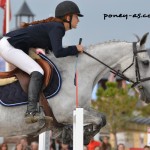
<point>141,69</point>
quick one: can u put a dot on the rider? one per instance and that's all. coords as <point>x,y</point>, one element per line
<point>45,34</point>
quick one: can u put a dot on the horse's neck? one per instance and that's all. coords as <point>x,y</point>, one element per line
<point>91,71</point>
<point>112,54</point>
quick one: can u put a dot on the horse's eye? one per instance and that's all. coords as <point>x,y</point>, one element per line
<point>145,62</point>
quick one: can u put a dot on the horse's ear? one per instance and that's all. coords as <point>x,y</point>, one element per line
<point>138,39</point>
<point>144,38</point>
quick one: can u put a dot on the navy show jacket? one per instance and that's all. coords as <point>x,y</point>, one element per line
<point>44,35</point>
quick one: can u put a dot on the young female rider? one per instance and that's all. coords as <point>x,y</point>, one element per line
<point>45,34</point>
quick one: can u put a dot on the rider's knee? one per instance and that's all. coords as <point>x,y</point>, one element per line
<point>40,70</point>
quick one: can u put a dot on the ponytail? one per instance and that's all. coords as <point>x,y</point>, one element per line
<point>50,19</point>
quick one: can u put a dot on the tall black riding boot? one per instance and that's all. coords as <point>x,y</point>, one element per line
<point>35,85</point>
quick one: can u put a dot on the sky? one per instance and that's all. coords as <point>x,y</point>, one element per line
<point>99,23</point>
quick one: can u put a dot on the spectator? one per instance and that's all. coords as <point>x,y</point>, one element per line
<point>55,144</point>
<point>4,146</point>
<point>146,147</point>
<point>121,146</point>
<point>34,145</point>
<point>105,144</point>
<point>85,147</point>
<point>64,147</point>
<point>19,146</point>
<point>24,143</point>
<point>93,144</point>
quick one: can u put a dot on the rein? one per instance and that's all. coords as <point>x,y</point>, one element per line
<point>121,75</point>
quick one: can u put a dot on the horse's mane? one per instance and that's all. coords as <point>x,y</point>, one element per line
<point>110,42</point>
<point>92,46</point>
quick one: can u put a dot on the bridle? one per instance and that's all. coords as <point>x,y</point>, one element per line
<point>121,74</point>
<point>137,70</point>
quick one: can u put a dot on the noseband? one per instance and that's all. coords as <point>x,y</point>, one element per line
<point>121,74</point>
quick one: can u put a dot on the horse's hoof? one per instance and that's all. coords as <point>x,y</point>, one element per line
<point>33,119</point>
<point>67,135</point>
<point>44,124</point>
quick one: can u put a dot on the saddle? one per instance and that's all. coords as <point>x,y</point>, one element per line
<point>23,77</point>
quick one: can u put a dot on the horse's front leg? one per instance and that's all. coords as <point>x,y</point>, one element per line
<point>93,121</point>
<point>91,116</point>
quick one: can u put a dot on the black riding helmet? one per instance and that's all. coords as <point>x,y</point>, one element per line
<point>67,7</point>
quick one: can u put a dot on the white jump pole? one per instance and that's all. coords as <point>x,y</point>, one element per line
<point>44,141</point>
<point>78,120</point>
<point>78,129</point>
<point>148,136</point>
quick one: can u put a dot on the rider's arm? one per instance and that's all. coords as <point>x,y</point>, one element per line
<point>40,50</point>
<point>56,36</point>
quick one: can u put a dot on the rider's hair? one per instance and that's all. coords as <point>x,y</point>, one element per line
<point>50,19</point>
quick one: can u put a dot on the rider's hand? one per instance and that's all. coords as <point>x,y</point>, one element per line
<point>40,50</point>
<point>80,48</point>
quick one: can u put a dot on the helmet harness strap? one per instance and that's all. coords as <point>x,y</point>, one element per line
<point>69,21</point>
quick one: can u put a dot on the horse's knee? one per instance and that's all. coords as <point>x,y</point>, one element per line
<point>103,122</point>
<point>91,117</point>
<point>97,117</point>
<point>100,121</point>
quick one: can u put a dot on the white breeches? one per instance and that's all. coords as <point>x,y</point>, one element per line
<point>18,58</point>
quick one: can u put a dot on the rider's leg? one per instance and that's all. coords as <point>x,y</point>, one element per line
<point>35,85</point>
<point>21,60</point>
